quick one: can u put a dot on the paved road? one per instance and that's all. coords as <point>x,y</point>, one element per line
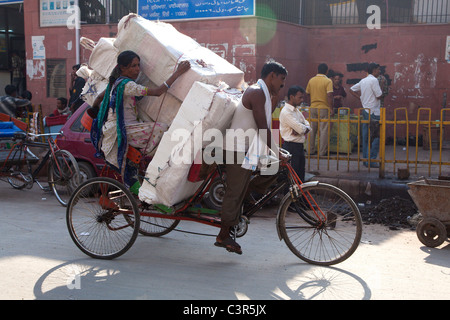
<point>38,260</point>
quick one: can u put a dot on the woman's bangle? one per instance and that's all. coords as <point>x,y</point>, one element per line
<point>165,83</point>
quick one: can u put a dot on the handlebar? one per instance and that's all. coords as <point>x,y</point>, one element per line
<point>45,134</point>
<point>273,158</point>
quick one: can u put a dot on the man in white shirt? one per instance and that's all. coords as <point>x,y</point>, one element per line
<point>294,128</point>
<point>370,94</point>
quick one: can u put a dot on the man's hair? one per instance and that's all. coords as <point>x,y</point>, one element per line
<point>293,91</point>
<point>372,66</point>
<point>273,66</point>
<point>63,101</point>
<point>322,68</point>
<point>10,89</point>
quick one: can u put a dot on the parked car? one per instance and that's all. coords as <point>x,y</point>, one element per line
<point>77,140</point>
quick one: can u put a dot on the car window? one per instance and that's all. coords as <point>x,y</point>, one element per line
<point>77,126</point>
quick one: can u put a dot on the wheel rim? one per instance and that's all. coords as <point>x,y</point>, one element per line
<point>323,243</point>
<point>64,177</point>
<point>102,218</point>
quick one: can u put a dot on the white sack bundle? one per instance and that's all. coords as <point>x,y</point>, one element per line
<point>205,107</point>
<point>95,84</point>
<point>103,58</point>
<point>161,48</point>
<point>161,109</point>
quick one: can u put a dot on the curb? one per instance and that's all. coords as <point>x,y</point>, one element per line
<point>369,190</point>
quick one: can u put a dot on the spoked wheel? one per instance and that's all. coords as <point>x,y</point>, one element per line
<point>103,218</point>
<point>63,175</point>
<point>156,227</point>
<point>327,235</point>
<point>214,197</point>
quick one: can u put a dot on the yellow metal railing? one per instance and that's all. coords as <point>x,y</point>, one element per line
<point>345,133</point>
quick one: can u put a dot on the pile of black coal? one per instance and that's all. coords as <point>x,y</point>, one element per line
<point>394,212</point>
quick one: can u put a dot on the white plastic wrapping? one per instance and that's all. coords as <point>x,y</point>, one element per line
<point>205,107</point>
<point>161,47</point>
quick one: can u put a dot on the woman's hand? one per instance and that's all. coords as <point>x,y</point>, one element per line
<point>183,66</point>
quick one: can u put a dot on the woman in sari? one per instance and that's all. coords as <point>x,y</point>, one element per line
<point>117,125</point>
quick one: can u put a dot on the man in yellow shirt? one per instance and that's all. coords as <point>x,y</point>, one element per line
<point>320,93</point>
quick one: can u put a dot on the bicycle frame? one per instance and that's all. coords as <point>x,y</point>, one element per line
<point>189,212</point>
<point>22,146</point>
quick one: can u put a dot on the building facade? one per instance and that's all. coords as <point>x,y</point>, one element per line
<point>410,39</point>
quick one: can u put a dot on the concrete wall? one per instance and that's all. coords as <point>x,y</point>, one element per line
<point>414,56</point>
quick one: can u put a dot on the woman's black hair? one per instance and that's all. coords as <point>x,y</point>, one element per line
<point>123,60</point>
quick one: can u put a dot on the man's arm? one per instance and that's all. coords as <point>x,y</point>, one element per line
<point>289,120</point>
<point>330,99</point>
<point>355,91</point>
<point>377,89</point>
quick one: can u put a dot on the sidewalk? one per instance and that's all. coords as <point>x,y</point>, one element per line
<point>365,186</point>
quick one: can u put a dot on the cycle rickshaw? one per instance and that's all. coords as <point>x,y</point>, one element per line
<point>319,222</point>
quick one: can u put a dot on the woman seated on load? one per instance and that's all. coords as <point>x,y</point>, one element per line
<point>117,125</point>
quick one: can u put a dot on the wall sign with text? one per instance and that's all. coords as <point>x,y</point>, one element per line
<point>55,13</point>
<point>194,9</point>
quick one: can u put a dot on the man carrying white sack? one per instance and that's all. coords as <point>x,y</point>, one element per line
<point>116,125</point>
<point>253,115</point>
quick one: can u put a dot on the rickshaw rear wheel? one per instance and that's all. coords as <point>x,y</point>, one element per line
<point>102,218</point>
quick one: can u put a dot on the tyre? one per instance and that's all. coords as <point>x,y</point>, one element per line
<point>156,227</point>
<point>86,171</point>
<point>321,242</point>
<point>431,232</point>
<point>103,218</point>
<point>214,197</point>
<point>63,175</point>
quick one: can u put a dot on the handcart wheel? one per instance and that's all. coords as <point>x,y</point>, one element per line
<point>103,218</point>
<point>431,232</point>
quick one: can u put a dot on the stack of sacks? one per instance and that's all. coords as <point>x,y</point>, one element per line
<point>104,57</point>
<point>197,99</point>
<point>95,84</point>
<point>161,48</point>
<point>162,109</point>
<point>205,107</point>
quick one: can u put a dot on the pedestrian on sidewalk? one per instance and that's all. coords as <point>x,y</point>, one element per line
<point>320,95</point>
<point>294,128</point>
<point>339,93</point>
<point>369,92</point>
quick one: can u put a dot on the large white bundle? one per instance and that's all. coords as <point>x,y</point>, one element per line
<point>95,84</point>
<point>161,47</point>
<point>161,109</point>
<point>205,107</point>
<point>103,58</point>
